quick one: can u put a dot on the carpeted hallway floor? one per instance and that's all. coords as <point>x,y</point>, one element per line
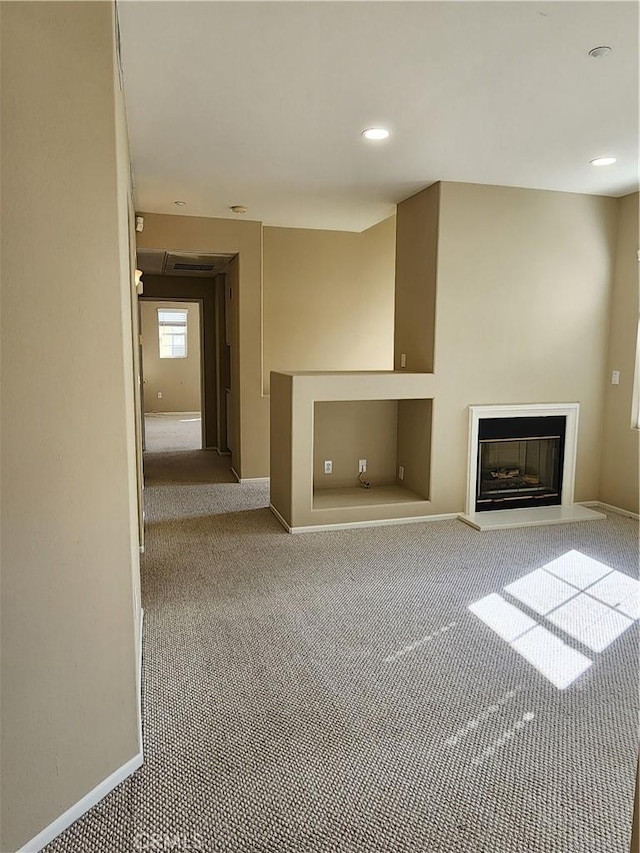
<point>167,432</point>
<point>331,692</point>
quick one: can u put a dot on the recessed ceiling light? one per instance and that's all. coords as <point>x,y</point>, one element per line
<point>597,52</point>
<point>238,208</point>
<point>603,161</point>
<point>180,203</point>
<point>375,133</point>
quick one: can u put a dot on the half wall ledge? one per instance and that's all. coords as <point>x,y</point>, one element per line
<point>383,417</point>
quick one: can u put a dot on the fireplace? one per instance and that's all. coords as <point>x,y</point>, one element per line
<point>522,465</point>
<point>519,462</point>
<point>521,457</point>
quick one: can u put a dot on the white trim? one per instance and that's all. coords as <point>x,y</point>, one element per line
<point>249,479</point>
<point>569,410</point>
<point>82,806</point>
<point>611,508</point>
<point>89,800</point>
<point>378,522</point>
<point>139,673</point>
<point>280,518</point>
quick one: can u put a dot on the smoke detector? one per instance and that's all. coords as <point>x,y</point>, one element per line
<point>238,208</point>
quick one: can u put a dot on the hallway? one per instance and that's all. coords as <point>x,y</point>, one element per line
<point>292,702</point>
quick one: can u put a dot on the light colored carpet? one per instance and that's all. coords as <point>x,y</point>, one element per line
<point>165,432</point>
<point>331,692</point>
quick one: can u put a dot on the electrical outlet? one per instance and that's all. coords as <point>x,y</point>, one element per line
<point>159,395</point>
<point>362,466</point>
<point>615,377</point>
<point>328,466</point>
<point>403,359</point>
<point>401,472</point>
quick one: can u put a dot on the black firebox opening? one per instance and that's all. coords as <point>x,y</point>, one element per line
<point>520,462</point>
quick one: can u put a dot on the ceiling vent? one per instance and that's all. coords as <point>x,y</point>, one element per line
<point>195,267</point>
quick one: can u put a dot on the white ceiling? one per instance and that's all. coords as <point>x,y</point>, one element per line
<point>262,103</point>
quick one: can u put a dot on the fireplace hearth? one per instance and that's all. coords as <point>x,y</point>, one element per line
<point>522,466</point>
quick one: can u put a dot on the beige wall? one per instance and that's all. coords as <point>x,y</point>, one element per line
<point>69,531</point>
<point>416,269</point>
<point>347,277</point>
<point>522,314</point>
<point>177,379</point>
<point>619,471</point>
<point>414,444</point>
<point>328,299</point>
<point>346,432</point>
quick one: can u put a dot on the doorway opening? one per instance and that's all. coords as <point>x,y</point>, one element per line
<point>172,364</point>
<point>187,354</point>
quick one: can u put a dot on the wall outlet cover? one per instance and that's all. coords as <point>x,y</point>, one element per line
<point>328,466</point>
<point>362,466</point>
<point>401,472</point>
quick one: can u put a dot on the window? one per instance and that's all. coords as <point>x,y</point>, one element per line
<point>172,333</point>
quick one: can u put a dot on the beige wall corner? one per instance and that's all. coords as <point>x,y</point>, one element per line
<point>416,274</point>
<point>328,299</point>
<point>524,284</point>
<point>281,448</point>
<point>70,599</point>
<point>177,379</point>
<point>619,471</point>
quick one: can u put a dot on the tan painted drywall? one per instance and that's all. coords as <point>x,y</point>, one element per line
<point>619,471</point>
<point>236,414</point>
<point>522,316</point>
<point>226,236</point>
<point>522,310</point>
<point>416,270</point>
<point>281,452</point>
<point>177,379</point>
<point>223,363</point>
<point>306,272</point>
<point>69,514</point>
<point>345,432</point>
<point>328,299</point>
<point>414,444</point>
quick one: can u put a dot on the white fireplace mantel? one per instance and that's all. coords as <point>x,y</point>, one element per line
<point>532,410</point>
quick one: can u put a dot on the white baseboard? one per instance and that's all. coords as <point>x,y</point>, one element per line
<point>353,525</point>
<point>249,479</point>
<point>140,635</point>
<point>280,518</point>
<point>611,508</point>
<point>100,791</point>
<point>82,806</point>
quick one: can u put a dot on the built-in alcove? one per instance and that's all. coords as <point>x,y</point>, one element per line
<point>393,436</point>
<point>383,417</point>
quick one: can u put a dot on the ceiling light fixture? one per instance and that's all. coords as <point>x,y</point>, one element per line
<point>238,208</point>
<point>598,52</point>
<point>603,161</point>
<point>180,203</point>
<point>376,133</point>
